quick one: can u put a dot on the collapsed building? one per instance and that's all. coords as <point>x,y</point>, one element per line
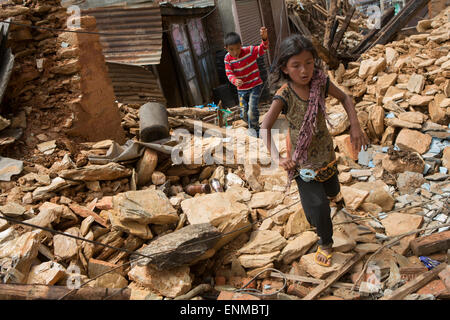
<point>74,161</point>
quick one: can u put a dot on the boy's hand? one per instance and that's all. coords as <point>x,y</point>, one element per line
<point>263,32</point>
<point>239,82</point>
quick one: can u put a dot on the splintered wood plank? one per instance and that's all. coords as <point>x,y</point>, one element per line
<point>332,35</point>
<point>293,277</point>
<point>85,212</point>
<point>190,125</point>
<point>297,21</point>
<point>43,292</point>
<point>416,284</point>
<point>340,35</point>
<point>332,12</point>
<point>189,112</point>
<point>334,277</point>
<point>430,244</point>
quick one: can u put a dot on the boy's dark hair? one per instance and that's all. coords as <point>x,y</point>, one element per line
<point>291,46</point>
<point>232,38</point>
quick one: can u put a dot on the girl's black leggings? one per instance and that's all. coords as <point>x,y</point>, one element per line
<point>314,197</point>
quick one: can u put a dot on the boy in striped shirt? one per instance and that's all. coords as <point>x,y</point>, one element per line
<point>242,70</point>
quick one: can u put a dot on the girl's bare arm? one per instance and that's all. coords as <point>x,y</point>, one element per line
<point>265,132</point>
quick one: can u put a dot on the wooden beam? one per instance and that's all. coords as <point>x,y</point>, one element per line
<point>85,212</point>
<point>324,12</point>
<point>334,277</point>
<point>293,277</point>
<point>43,292</point>
<point>320,9</point>
<point>432,243</point>
<point>332,34</point>
<point>190,124</point>
<point>330,21</point>
<point>344,28</point>
<point>189,112</point>
<point>297,21</point>
<point>416,284</point>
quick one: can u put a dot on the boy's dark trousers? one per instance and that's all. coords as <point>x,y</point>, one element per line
<point>248,103</point>
<point>314,197</point>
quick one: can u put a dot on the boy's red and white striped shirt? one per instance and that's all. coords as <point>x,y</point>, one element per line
<point>245,67</point>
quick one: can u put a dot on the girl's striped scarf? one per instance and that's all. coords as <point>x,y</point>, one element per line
<point>316,101</point>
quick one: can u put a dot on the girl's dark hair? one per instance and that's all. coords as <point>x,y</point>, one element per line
<point>232,38</point>
<point>291,46</point>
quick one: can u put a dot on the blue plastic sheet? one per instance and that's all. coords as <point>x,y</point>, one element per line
<point>429,263</point>
<point>210,106</point>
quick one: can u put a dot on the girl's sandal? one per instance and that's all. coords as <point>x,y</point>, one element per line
<point>319,251</point>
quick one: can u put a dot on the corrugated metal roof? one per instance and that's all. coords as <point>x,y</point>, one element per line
<point>134,34</point>
<point>190,4</point>
<point>88,4</point>
<point>134,84</point>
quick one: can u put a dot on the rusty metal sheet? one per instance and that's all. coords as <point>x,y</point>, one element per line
<point>133,35</point>
<point>134,84</point>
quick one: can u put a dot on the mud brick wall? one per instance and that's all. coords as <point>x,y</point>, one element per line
<point>52,87</point>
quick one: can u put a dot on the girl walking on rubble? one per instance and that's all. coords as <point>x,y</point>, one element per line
<point>311,160</point>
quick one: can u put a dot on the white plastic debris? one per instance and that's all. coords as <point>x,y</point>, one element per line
<point>364,156</point>
<point>426,186</point>
<point>441,218</point>
<point>382,215</point>
<point>232,179</point>
<point>426,168</point>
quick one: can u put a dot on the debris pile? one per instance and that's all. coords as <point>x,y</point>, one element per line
<point>52,95</point>
<point>201,218</point>
<point>338,30</point>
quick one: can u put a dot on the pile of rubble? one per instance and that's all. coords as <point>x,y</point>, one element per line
<point>168,230</point>
<point>314,15</point>
<point>52,95</point>
<point>231,236</point>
